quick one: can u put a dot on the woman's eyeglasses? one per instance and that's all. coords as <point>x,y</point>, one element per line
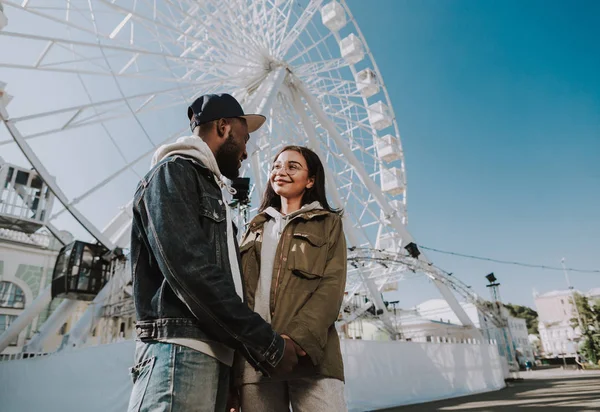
<point>291,168</point>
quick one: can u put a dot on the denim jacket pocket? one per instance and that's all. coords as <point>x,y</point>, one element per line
<point>140,374</point>
<point>213,209</point>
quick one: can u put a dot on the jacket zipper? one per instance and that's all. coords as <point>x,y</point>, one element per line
<point>276,286</point>
<point>245,270</point>
<point>282,259</point>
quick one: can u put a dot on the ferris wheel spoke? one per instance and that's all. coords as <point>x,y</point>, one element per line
<point>260,20</point>
<point>102,70</point>
<point>284,26</point>
<point>117,173</point>
<point>310,48</point>
<point>298,28</point>
<point>230,23</point>
<point>338,81</point>
<point>318,67</point>
<point>130,61</point>
<point>274,19</point>
<point>175,30</point>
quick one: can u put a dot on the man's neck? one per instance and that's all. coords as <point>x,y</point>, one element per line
<point>212,144</point>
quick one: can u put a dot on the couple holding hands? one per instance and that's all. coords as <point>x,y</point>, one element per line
<point>222,326</point>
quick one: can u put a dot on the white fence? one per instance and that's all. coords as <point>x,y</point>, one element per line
<point>385,374</point>
<point>378,375</point>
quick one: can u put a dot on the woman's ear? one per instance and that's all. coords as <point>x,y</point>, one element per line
<point>311,183</point>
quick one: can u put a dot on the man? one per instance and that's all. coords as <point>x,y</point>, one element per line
<point>186,276</point>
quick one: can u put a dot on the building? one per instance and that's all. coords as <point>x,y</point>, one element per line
<point>411,327</point>
<point>28,253</point>
<point>556,313</point>
<point>434,321</point>
<point>593,295</point>
<point>438,309</point>
<point>26,264</point>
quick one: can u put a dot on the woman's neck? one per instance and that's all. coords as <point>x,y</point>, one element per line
<point>290,205</point>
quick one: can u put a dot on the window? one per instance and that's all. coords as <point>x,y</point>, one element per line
<point>5,321</point>
<point>11,296</point>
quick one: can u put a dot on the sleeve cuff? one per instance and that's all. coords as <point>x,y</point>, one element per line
<point>274,352</point>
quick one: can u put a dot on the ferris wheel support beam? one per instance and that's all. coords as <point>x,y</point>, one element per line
<point>50,180</point>
<point>25,318</point>
<point>262,103</point>
<point>349,229</point>
<point>375,190</point>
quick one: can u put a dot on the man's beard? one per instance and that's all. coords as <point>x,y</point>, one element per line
<point>227,158</point>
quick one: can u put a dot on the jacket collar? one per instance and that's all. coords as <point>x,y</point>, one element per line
<point>259,220</point>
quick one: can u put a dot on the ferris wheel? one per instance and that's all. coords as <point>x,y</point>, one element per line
<point>99,84</point>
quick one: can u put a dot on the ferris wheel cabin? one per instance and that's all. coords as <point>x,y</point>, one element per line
<point>81,271</point>
<point>25,199</point>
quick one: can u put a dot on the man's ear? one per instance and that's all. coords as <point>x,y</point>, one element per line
<point>223,127</point>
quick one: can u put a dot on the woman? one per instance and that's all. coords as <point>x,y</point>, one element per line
<point>294,270</point>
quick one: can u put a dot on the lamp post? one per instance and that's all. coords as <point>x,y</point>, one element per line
<point>497,302</point>
<point>571,291</point>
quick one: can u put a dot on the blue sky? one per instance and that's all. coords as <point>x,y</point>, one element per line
<point>498,105</point>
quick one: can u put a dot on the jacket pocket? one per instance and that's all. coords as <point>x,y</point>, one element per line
<point>212,208</point>
<point>306,261</point>
<point>245,247</point>
<point>140,375</point>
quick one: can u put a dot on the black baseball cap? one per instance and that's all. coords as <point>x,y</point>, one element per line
<point>211,107</point>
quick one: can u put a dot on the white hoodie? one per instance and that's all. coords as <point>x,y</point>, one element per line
<point>272,231</point>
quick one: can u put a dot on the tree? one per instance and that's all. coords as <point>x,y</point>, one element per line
<point>525,312</point>
<point>589,315</point>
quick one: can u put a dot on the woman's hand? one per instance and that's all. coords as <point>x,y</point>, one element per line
<point>299,351</point>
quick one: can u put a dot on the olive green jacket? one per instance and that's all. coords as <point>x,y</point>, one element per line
<point>309,279</point>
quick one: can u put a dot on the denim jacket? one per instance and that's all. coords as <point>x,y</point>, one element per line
<point>182,281</point>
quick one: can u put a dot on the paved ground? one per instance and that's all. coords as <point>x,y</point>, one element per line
<point>553,389</point>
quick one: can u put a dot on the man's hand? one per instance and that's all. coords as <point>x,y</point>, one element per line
<point>297,347</point>
<point>233,401</point>
<point>289,360</point>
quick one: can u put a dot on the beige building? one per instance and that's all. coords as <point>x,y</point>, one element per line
<point>26,264</point>
<point>555,311</point>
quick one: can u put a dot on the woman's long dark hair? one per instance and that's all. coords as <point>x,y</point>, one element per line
<point>316,192</point>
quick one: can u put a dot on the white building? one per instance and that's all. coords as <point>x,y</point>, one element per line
<point>411,327</point>
<point>593,295</point>
<point>434,321</point>
<point>439,310</point>
<point>556,312</point>
<point>28,255</point>
<point>26,264</point>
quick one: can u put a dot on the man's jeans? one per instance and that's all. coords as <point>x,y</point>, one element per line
<point>173,378</point>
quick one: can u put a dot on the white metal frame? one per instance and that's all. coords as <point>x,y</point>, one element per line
<point>276,57</point>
